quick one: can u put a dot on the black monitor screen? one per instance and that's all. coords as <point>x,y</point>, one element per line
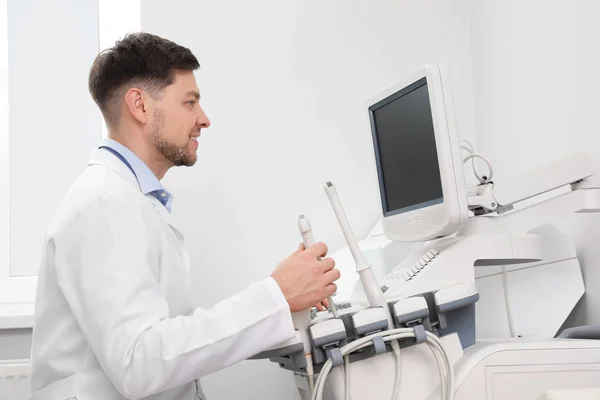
<point>407,163</point>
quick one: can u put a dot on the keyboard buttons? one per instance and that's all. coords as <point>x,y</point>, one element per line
<point>414,269</point>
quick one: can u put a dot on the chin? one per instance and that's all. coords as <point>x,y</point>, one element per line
<point>188,162</point>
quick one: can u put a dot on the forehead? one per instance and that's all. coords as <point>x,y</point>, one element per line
<point>184,82</point>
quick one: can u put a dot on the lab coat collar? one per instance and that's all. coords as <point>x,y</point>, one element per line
<point>110,161</point>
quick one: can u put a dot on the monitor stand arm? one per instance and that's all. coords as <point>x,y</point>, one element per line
<point>580,172</point>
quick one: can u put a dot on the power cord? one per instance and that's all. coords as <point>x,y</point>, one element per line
<point>509,314</point>
<point>347,369</point>
<point>396,393</point>
<point>468,147</point>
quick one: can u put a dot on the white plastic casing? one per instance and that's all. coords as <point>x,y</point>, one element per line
<point>327,328</point>
<point>445,218</point>
<point>370,317</point>
<point>454,293</point>
<point>412,306</point>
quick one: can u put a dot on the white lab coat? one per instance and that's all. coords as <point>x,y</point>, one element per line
<point>114,317</point>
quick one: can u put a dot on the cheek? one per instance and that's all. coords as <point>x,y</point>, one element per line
<point>183,123</point>
<point>176,128</point>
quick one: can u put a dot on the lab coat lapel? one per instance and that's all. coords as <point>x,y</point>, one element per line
<point>108,160</point>
<point>166,215</point>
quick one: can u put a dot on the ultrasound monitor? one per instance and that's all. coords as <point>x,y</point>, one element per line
<point>417,154</point>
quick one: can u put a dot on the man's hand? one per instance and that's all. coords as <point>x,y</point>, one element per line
<point>306,278</point>
<point>324,304</point>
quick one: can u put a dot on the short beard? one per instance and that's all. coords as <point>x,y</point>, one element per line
<point>176,155</point>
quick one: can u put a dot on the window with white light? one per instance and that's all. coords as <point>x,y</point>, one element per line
<point>117,18</point>
<point>49,124</point>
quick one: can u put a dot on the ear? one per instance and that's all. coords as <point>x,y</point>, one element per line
<point>137,103</point>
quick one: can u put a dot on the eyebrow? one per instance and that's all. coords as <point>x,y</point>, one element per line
<point>193,93</point>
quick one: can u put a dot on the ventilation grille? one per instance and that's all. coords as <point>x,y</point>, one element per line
<point>14,379</point>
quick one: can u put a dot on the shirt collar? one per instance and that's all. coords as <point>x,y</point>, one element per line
<point>148,182</point>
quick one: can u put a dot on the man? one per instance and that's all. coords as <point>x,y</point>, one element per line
<point>114,317</point>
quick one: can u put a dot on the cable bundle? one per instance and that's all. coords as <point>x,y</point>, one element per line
<point>442,359</point>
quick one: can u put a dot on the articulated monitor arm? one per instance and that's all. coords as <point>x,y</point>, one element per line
<point>580,171</point>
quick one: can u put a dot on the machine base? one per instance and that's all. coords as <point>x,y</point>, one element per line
<point>496,369</point>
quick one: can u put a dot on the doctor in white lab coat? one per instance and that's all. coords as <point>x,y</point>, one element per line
<point>114,317</point>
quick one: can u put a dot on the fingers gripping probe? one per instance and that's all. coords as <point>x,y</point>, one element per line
<point>309,240</point>
<point>367,277</point>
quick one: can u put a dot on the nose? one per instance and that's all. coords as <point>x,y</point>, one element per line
<point>202,121</point>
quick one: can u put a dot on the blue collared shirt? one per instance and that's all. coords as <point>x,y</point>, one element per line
<point>149,183</point>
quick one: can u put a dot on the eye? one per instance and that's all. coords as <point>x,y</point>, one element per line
<point>191,102</point>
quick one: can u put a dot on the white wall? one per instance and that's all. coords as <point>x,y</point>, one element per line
<point>536,81</point>
<point>285,84</point>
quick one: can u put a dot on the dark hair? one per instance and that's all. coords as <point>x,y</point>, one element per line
<point>139,58</point>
